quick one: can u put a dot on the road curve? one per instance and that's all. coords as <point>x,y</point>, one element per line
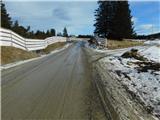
<point>56,87</point>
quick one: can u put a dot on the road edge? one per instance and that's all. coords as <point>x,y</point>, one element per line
<point>11,65</point>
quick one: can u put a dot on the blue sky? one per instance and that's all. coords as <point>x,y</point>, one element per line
<point>78,16</point>
<point>146,16</point>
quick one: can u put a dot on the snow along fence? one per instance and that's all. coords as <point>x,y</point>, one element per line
<point>51,40</point>
<point>10,38</point>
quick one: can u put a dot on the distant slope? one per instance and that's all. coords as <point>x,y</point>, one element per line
<point>156,35</point>
<point>151,36</point>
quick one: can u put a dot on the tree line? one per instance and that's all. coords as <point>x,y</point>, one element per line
<point>6,22</point>
<point>151,36</point>
<point>113,20</point>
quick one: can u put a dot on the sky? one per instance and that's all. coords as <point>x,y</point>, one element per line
<point>78,15</point>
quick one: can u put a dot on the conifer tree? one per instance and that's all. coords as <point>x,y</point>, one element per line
<point>122,24</point>
<point>5,18</point>
<point>113,20</point>
<point>53,32</point>
<point>104,15</point>
<point>65,34</point>
<point>21,30</point>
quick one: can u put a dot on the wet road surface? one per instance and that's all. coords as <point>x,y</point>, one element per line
<point>56,87</point>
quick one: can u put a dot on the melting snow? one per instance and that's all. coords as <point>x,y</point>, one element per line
<point>146,85</point>
<point>152,53</point>
<point>153,42</point>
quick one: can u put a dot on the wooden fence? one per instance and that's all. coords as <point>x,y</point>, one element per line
<point>10,38</point>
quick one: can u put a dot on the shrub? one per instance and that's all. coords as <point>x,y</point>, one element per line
<point>133,53</point>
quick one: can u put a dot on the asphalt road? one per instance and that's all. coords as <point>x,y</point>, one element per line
<point>56,87</point>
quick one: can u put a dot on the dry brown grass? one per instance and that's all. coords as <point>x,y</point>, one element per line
<point>115,44</point>
<point>54,46</point>
<point>12,54</point>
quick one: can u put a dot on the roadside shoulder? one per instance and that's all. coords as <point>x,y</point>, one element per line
<point>11,65</point>
<point>126,107</point>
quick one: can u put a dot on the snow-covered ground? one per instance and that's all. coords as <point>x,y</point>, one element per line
<point>140,77</point>
<point>152,53</point>
<point>152,42</point>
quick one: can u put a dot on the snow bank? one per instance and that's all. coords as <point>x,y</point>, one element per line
<point>153,42</point>
<point>152,53</point>
<point>145,85</point>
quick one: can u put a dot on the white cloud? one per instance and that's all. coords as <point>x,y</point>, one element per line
<point>147,29</point>
<point>146,26</point>
<point>76,16</point>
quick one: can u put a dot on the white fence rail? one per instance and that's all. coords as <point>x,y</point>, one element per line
<point>51,40</point>
<point>9,38</point>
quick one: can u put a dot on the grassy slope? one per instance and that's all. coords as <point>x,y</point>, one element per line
<point>115,44</point>
<point>12,54</point>
<point>54,46</point>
